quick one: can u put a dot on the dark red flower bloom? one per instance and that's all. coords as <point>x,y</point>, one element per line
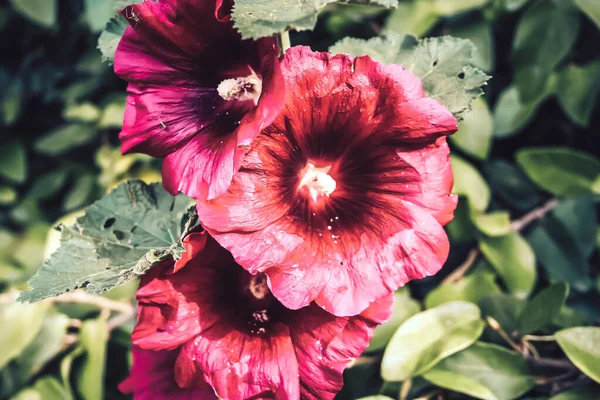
<point>153,378</point>
<point>198,94</point>
<point>235,336</point>
<point>341,200</point>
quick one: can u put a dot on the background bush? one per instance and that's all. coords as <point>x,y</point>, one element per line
<point>513,314</point>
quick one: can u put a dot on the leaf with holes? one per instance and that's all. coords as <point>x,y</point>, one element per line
<point>111,36</point>
<point>443,64</point>
<point>259,18</point>
<point>119,238</point>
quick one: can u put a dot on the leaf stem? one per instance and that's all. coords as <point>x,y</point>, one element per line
<point>405,389</point>
<point>495,326</point>
<point>284,41</point>
<point>516,226</point>
<point>81,297</point>
<point>533,215</point>
<point>534,338</point>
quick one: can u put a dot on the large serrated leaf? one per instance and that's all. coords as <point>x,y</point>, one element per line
<point>259,18</point>
<point>119,238</point>
<point>111,36</point>
<point>443,64</point>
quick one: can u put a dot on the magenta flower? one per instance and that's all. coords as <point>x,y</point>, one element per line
<point>341,200</point>
<point>198,93</point>
<point>236,337</point>
<point>153,378</point>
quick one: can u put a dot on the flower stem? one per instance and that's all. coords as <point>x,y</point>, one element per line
<point>284,41</point>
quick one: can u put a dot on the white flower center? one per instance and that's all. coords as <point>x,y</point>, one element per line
<point>241,89</point>
<point>318,181</point>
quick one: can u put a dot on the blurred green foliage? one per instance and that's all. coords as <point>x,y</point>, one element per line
<point>513,314</point>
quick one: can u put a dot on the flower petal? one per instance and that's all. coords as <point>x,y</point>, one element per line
<point>433,188</point>
<point>174,307</point>
<point>346,277</point>
<point>152,377</point>
<point>325,345</point>
<point>239,366</point>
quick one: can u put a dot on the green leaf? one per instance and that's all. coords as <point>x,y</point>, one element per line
<point>468,182</point>
<point>484,371</point>
<point>11,103</point>
<point>591,8</point>
<point>578,217</point>
<point>84,112</point>
<point>450,328</point>
<point>8,195</point>
<point>29,250</point>
<point>544,36</point>
<point>40,12</point>
<point>583,393</point>
<point>472,288</point>
<point>461,229</point>
<point>513,259</point>
<point>512,114</point>
<point>479,32</point>
<point>48,184</point>
<point>46,345</point>
<point>412,17</point>
<point>543,308</point>
<point>474,135</point>
<point>442,64</point>
<point>111,36</point>
<point>13,161</point>
<point>404,308</point>
<point>113,112</point>
<point>64,138</point>
<point>577,90</point>
<point>258,18</point>
<point>581,346</point>
<point>28,394</point>
<point>503,308</point>
<point>418,17</point>
<point>569,318</point>
<point>97,13</point>
<point>94,340</point>
<point>118,239</point>
<point>557,253</point>
<point>561,171</point>
<point>50,389</point>
<point>511,185</point>
<point>80,193</point>
<point>495,223</point>
<point>65,369</point>
<point>21,324</point>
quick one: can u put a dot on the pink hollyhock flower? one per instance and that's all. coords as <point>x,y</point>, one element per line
<point>198,93</point>
<point>153,378</point>
<point>341,200</point>
<point>236,337</point>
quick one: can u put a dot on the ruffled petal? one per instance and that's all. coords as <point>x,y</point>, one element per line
<point>344,277</point>
<point>152,377</point>
<point>432,189</point>
<point>174,307</point>
<point>239,366</point>
<point>325,345</point>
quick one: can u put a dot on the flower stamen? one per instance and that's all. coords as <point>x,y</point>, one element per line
<point>241,89</point>
<point>317,181</point>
